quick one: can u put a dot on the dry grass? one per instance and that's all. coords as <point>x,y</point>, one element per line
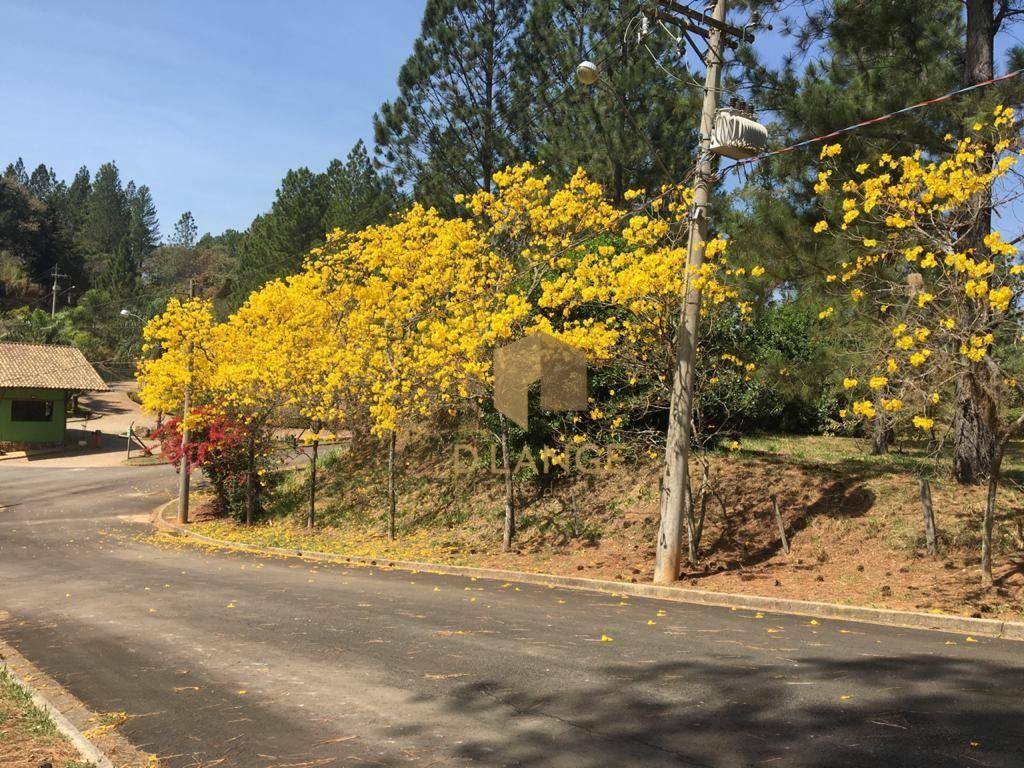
<point>28,737</point>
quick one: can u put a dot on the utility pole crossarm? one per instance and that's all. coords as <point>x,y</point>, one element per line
<point>667,17</point>
<point>707,20</point>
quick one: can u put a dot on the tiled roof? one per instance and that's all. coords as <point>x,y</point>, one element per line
<point>46,366</point>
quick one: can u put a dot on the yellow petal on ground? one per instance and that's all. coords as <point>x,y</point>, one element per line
<point>660,613</point>
<point>651,622</point>
<point>845,698</point>
<point>231,605</point>
<point>606,639</point>
<point>971,640</point>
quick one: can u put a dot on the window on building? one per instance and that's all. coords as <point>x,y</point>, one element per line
<point>31,410</point>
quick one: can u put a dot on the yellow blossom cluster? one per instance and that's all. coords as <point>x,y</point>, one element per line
<point>909,227</point>
<point>398,322</point>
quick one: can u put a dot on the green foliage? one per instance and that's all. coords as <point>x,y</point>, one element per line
<point>185,231</point>
<point>37,327</point>
<point>636,130</point>
<point>452,126</point>
<point>794,385</point>
<point>349,195</point>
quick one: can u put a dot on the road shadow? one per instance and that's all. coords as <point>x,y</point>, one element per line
<point>899,711</point>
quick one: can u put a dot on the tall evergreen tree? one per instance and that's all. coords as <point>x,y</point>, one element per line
<point>358,195</point>
<point>185,231</point>
<point>16,172</point>
<point>637,128</point>
<point>42,182</point>
<point>106,219</point>
<point>449,129</point>
<point>278,241</point>
<point>143,225</point>
<point>849,60</point>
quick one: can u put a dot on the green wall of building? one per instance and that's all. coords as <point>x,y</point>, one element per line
<point>32,431</point>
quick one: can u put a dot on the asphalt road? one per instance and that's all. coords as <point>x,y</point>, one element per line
<point>258,662</point>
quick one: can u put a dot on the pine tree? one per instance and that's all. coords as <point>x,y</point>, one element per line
<point>143,226</point>
<point>637,128</point>
<point>16,172</point>
<point>449,129</point>
<point>42,182</point>
<point>358,195</point>
<point>278,241</point>
<point>185,231</point>
<point>105,226</point>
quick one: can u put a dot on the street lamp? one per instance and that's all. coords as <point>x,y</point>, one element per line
<point>587,73</point>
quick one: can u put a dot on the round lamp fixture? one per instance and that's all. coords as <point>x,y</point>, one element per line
<point>587,72</point>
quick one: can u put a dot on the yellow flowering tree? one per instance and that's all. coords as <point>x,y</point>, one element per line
<point>948,309</point>
<point>606,281</point>
<point>177,353</point>
<point>411,303</point>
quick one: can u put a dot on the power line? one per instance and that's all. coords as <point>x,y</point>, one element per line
<point>872,121</point>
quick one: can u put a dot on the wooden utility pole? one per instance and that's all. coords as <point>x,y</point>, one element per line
<point>677,444</point>
<point>183,475</point>
<point>55,290</point>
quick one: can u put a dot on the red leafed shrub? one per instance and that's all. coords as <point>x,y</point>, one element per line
<point>220,448</point>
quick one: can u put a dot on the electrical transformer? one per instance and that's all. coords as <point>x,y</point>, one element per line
<point>737,134</point>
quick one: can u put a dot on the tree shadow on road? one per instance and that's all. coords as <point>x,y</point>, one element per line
<point>897,711</point>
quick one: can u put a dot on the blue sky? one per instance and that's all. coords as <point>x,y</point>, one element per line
<point>209,103</point>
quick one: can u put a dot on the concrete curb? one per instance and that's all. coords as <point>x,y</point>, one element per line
<point>51,452</point>
<point>936,622</point>
<point>89,751</point>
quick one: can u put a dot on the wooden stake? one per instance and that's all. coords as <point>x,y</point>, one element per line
<point>929,517</point>
<point>782,528</point>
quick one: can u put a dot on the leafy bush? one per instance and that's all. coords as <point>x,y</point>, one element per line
<point>229,453</point>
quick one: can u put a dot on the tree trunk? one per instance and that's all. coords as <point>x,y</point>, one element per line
<point>250,484</point>
<point>881,433</point>
<point>973,428</point>
<point>311,519</point>
<point>973,419</point>
<point>981,32</point>
<point>510,501</point>
<point>990,516</point>
<point>392,490</point>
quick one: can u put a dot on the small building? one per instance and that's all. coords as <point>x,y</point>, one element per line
<point>37,382</point>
